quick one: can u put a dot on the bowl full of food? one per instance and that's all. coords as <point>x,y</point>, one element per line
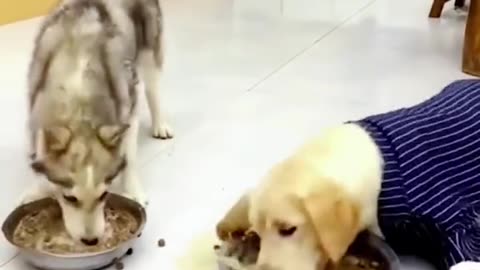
<point>368,252</point>
<point>38,232</point>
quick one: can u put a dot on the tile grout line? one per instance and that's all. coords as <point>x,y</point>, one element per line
<point>315,42</point>
<point>9,260</point>
<point>255,85</point>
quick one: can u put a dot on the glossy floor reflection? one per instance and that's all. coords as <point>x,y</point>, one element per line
<point>246,82</point>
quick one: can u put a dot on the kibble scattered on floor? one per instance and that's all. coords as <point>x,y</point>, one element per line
<point>119,265</point>
<point>161,242</point>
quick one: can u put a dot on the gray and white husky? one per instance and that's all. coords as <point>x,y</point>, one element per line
<point>84,82</point>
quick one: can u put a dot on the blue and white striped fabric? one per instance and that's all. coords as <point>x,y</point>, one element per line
<point>430,199</point>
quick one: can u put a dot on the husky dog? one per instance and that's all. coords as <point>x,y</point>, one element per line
<point>83,92</point>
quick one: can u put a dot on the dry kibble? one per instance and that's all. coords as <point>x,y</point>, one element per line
<point>245,247</point>
<point>351,260</point>
<point>118,265</point>
<point>44,230</point>
<point>161,243</point>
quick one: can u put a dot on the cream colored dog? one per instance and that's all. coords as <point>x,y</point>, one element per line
<point>89,60</point>
<point>310,207</point>
<point>418,166</point>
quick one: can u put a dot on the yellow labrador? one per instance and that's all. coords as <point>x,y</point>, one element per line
<point>310,207</point>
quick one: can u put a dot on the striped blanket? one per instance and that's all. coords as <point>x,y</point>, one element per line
<point>430,199</point>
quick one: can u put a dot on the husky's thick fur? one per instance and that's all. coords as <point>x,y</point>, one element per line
<point>83,92</point>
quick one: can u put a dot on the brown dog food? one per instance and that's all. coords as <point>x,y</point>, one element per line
<point>352,262</point>
<point>45,231</point>
<point>119,265</point>
<point>245,249</point>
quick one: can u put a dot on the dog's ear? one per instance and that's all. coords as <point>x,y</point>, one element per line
<point>57,138</point>
<point>335,221</point>
<point>236,219</point>
<point>41,167</point>
<point>38,166</point>
<point>111,135</point>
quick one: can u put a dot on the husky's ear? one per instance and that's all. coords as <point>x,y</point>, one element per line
<point>42,167</point>
<point>111,135</point>
<point>57,138</point>
<point>38,166</point>
<point>335,220</point>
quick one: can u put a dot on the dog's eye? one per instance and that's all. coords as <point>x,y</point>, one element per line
<point>285,232</point>
<point>71,199</point>
<point>103,196</point>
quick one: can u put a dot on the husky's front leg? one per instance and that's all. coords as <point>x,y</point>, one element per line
<point>150,72</point>
<point>132,186</point>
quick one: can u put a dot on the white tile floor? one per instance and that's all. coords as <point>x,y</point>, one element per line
<point>246,81</point>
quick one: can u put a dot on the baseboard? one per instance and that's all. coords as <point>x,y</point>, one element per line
<point>17,10</point>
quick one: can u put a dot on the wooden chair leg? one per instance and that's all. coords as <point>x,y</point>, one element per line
<point>471,45</point>
<point>437,8</point>
<point>459,3</point>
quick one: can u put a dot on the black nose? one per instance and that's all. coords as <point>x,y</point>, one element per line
<point>90,242</point>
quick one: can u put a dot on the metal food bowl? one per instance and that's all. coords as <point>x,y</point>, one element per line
<point>366,244</point>
<point>77,261</point>
<point>372,246</point>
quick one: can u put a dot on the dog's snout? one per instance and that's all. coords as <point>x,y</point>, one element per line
<point>90,242</point>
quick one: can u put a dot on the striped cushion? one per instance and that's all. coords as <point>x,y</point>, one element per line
<point>431,188</point>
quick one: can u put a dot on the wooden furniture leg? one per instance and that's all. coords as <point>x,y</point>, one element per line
<point>460,3</point>
<point>437,8</point>
<point>471,44</point>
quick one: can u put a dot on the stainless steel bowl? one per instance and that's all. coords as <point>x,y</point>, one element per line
<point>375,247</point>
<point>83,261</point>
<point>366,244</point>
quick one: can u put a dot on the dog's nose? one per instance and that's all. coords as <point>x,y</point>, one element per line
<point>90,242</point>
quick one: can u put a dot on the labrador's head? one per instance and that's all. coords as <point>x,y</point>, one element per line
<point>305,221</point>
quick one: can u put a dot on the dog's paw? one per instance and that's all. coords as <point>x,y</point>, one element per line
<point>162,131</point>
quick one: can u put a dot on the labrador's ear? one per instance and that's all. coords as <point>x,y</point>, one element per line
<point>335,220</point>
<point>236,219</point>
